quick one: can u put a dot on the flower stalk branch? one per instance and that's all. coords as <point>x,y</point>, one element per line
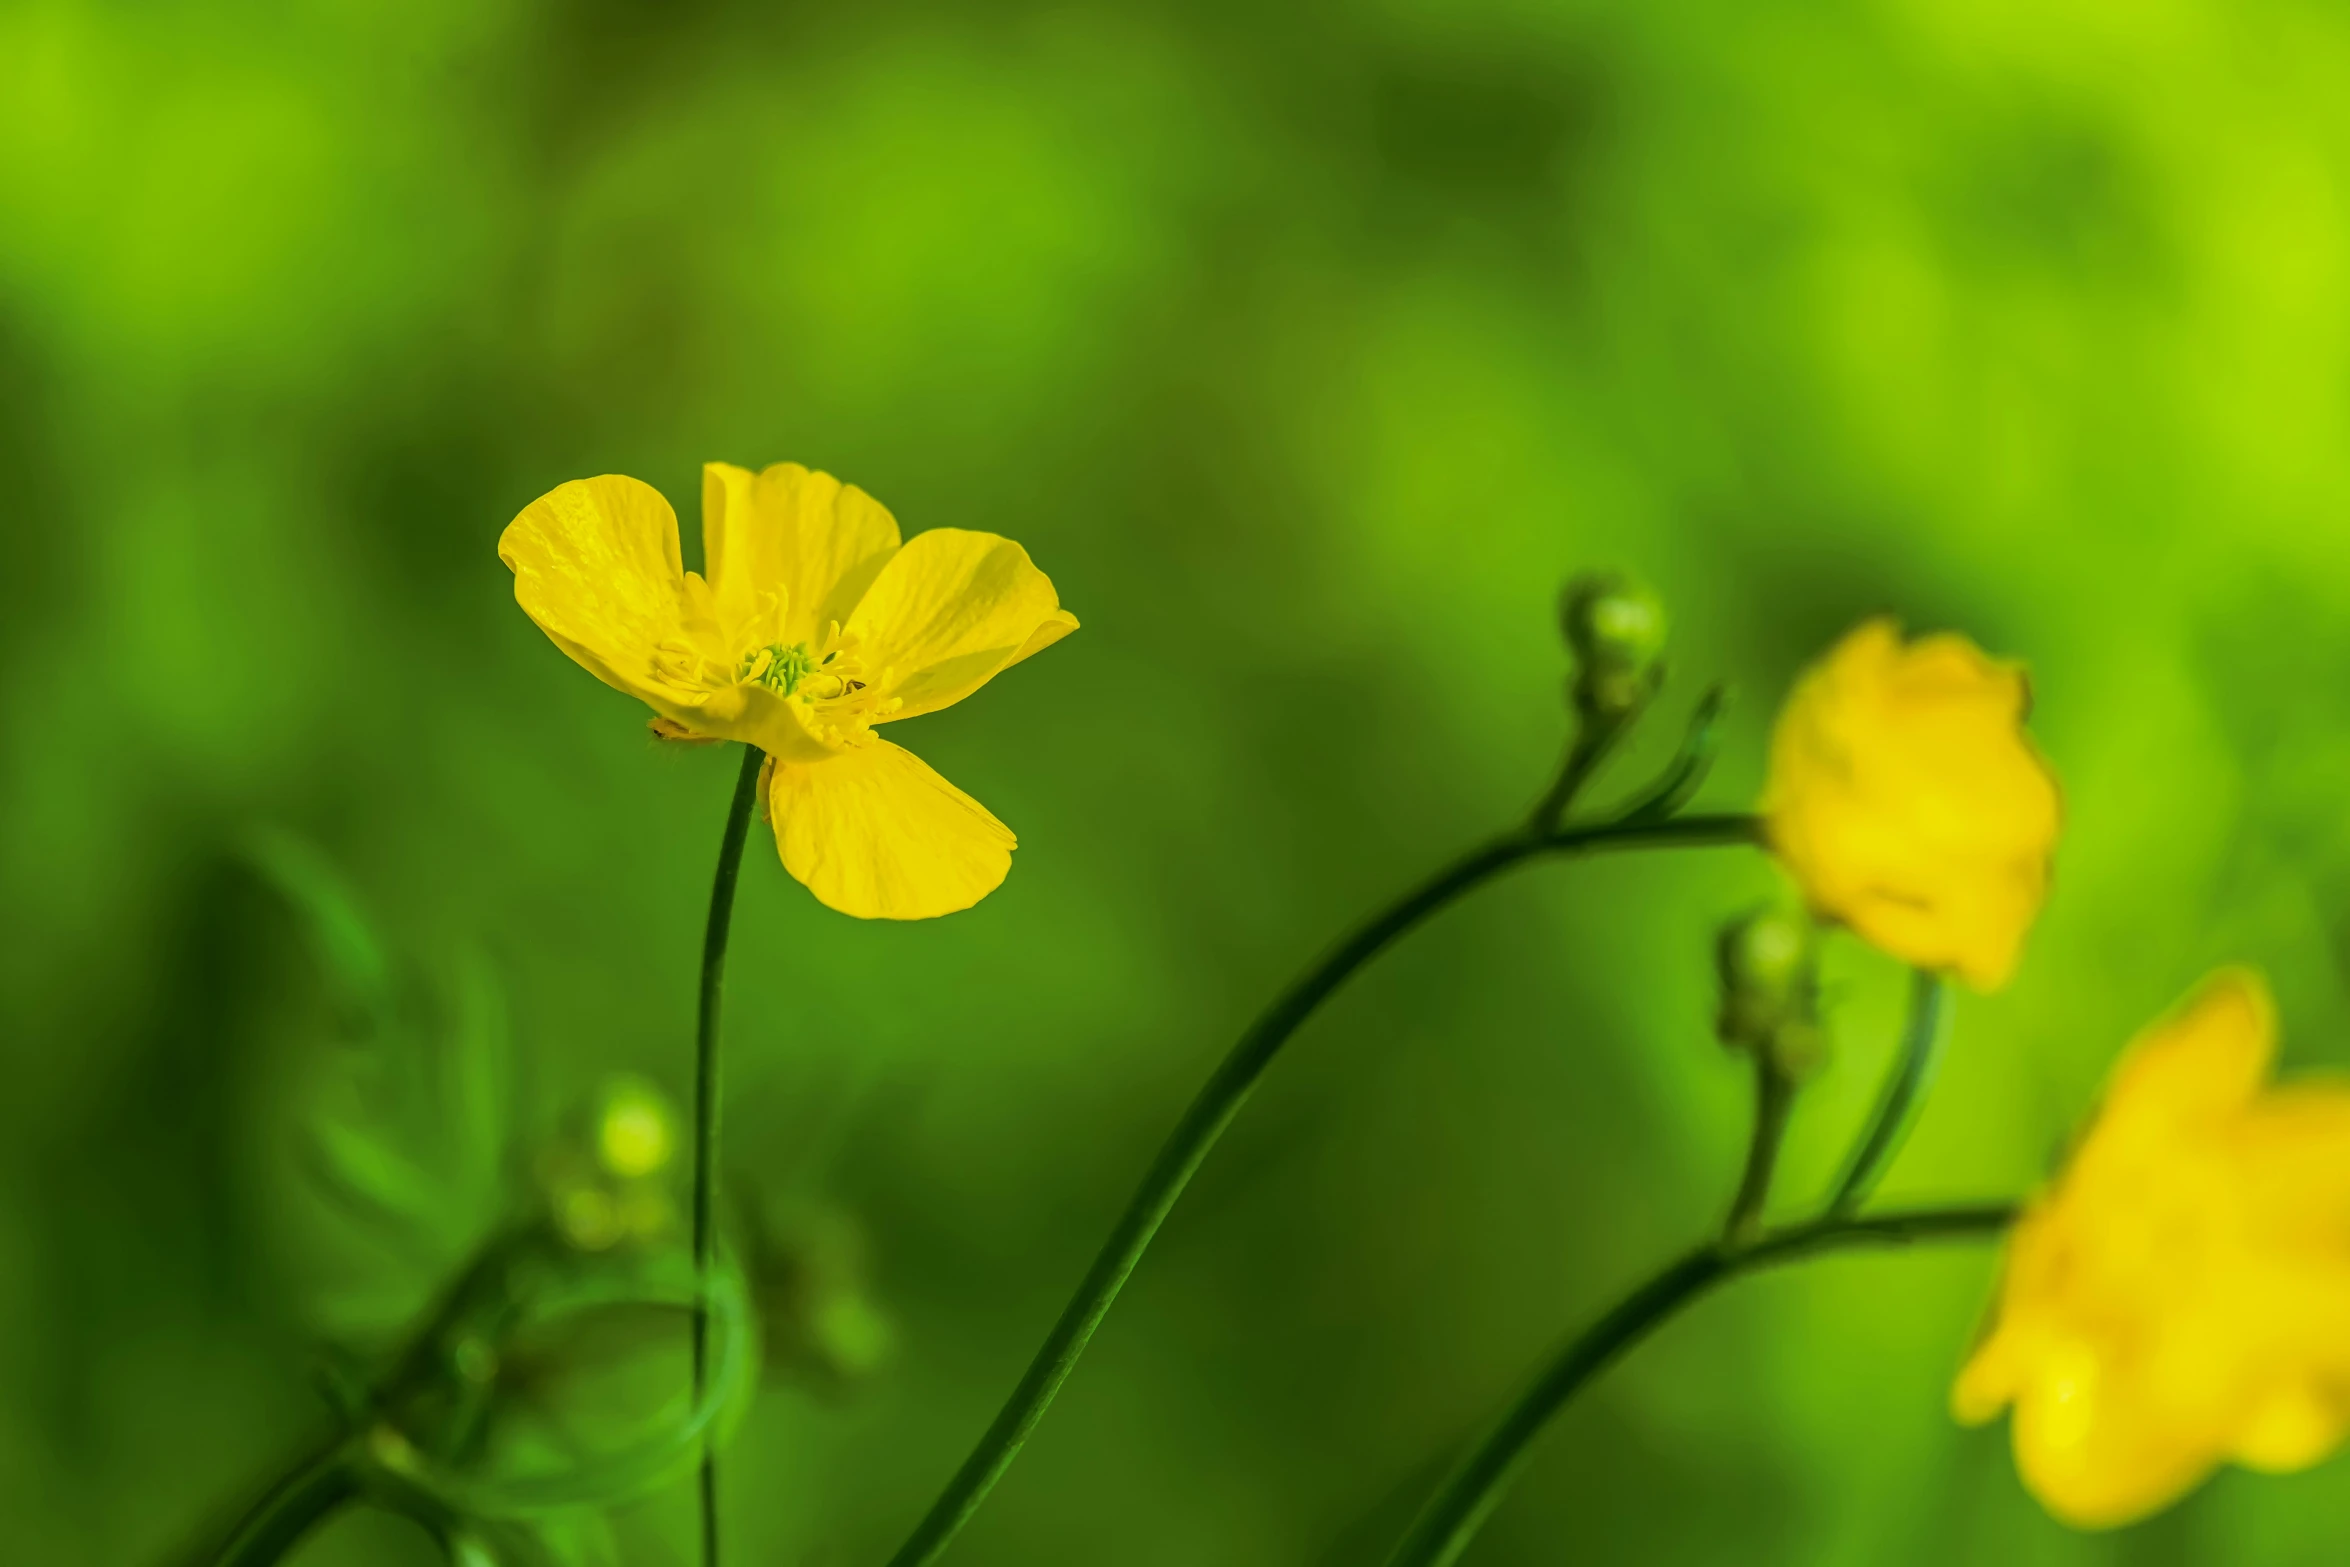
<point>1594,740</point>
<point>305,1498</point>
<point>1913,1074</point>
<point>1444,1529</point>
<point>1220,1100</point>
<point>1774,1097</point>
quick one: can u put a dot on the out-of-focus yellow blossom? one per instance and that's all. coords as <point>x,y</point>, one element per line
<point>1908,802</point>
<point>2180,1296</point>
<point>814,624</point>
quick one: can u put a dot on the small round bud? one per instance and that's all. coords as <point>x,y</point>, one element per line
<point>1617,631</point>
<point>821,1321</point>
<point>391,1450</point>
<point>1768,961</point>
<point>588,1218</point>
<point>633,1129</point>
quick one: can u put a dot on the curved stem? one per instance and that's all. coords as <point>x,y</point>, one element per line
<point>1594,738</point>
<point>706,1105</point>
<point>1445,1527</point>
<point>1213,1109</point>
<point>295,1506</point>
<point>1913,1074</point>
<point>1774,1095</point>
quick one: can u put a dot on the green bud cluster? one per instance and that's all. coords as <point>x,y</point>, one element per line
<point>1768,964</point>
<point>1617,629</point>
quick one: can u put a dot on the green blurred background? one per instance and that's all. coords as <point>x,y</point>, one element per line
<point>1308,348</point>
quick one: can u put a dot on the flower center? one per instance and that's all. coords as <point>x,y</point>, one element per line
<point>778,668</point>
<point>793,669</point>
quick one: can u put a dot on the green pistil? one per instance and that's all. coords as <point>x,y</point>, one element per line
<point>779,668</point>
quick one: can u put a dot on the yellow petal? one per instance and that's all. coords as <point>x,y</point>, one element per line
<point>950,610</point>
<point>2292,1428</point>
<point>595,563</point>
<point>1987,1383</point>
<point>2096,1452</point>
<point>805,538</point>
<point>876,833</point>
<point>2206,1058</point>
<point>2294,1154</point>
<point>785,729</point>
<point>1055,626</point>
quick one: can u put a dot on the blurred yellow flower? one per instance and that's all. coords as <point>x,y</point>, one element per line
<point>814,624</point>
<point>1907,800</point>
<point>2180,1297</point>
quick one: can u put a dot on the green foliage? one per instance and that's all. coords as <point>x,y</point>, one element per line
<point>411,1136</point>
<point>510,1376</point>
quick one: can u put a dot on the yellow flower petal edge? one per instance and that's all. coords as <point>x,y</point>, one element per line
<point>815,624</point>
<point>1907,801</point>
<point>2179,1297</point>
<point>877,832</point>
<point>954,608</point>
<point>595,563</point>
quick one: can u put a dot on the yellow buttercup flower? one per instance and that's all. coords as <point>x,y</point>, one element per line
<point>1907,800</point>
<point>815,624</point>
<point>2180,1297</point>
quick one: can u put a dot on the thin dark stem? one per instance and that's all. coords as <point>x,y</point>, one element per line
<point>1594,738</point>
<point>707,1064</point>
<point>1913,1074</point>
<point>298,1504</point>
<point>1214,1109</point>
<point>1445,1527</point>
<point>1774,1095</point>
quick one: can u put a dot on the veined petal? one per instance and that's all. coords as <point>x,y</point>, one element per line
<point>876,833</point>
<point>595,563</point>
<point>809,540</point>
<point>950,610</point>
<point>787,730</point>
<point>1054,627</point>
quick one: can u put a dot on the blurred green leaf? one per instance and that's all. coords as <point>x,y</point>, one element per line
<point>350,956</point>
<point>411,1133</point>
<point>477,1076</point>
<point>363,1171</point>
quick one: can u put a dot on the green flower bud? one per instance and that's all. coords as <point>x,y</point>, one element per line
<point>1768,962</point>
<point>1617,631</point>
<point>634,1129</point>
<point>821,1321</point>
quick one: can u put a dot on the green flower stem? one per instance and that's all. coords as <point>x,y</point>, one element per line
<point>1445,1527</point>
<point>1774,1096</point>
<point>1594,738</point>
<point>305,1498</point>
<point>1913,1074</point>
<point>706,1104</point>
<point>1214,1109</point>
